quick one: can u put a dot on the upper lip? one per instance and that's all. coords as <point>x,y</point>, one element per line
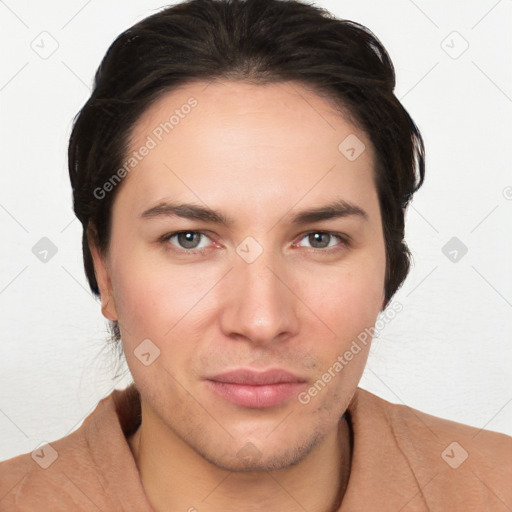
<point>255,378</point>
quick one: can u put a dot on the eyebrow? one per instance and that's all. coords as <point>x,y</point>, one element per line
<point>336,209</point>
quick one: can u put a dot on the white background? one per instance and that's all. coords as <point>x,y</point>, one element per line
<point>447,353</point>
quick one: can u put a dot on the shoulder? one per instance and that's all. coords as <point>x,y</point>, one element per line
<point>90,468</point>
<point>424,425</point>
<point>34,480</point>
<point>424,429</point>
<point>445,456</point>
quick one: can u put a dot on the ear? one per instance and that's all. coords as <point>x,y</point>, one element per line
<point>102,273</point>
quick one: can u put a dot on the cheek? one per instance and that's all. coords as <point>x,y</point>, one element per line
<point>349,306</point>
<point>155,299</point>
<point>347,298</point>
<point>144,296</point>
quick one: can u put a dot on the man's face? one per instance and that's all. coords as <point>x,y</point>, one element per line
<point>258,294</point>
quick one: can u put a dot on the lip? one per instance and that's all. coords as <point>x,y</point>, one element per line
<point>259,390</point>
<point>254,378</point>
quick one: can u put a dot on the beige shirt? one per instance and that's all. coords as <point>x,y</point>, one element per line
<point>403,460</point>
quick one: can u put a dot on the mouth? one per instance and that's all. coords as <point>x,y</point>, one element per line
<point>257,390</point>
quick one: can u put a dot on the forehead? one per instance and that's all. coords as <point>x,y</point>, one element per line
<point>268,107</point>
<point>280,137</point>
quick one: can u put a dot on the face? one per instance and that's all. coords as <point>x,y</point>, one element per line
<point>253,283</point>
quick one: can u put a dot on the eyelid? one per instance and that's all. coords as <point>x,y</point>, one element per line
<point>165,239</point>
<point>345,240</point>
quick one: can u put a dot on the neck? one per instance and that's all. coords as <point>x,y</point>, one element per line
<point>175,477</point>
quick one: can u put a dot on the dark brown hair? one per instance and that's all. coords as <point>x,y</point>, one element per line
<point>258,41</point>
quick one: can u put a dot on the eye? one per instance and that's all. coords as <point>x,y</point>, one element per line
<point>187,241</point>
<point>197,241</point>
<point>322,240</point>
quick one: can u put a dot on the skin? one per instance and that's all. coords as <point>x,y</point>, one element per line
<point>259,154</point>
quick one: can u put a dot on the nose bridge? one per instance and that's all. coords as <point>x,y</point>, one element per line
<point>260,277</point>
<point>260,307</point>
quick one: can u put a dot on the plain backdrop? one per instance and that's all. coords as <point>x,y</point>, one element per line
<point>447,353</point>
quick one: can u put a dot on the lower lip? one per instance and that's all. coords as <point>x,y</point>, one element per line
<point>258,397</point>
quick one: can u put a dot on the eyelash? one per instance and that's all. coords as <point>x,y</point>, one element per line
<point>344,242</point>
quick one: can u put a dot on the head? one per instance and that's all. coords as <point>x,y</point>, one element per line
<point>257,112</point>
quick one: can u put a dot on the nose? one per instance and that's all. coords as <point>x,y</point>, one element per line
<point>259,305</point>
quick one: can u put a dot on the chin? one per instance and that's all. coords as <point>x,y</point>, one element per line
<point>250,459</point>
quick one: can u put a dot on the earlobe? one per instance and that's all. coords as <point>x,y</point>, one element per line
<point>101,272</point>
<point>105,311</point>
